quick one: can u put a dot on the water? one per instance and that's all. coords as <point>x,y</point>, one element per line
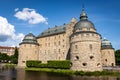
<point>21,74</point>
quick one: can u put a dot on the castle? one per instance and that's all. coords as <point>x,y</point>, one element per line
<point>77,41</point>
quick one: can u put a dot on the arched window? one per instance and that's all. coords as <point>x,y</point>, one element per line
<point>84,64</point>
<point>90,46</point>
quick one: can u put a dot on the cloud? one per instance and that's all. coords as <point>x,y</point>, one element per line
<point>6,29</point>
<point>31,16</point>
<point>16,9</point>
<point>19,36</point>
<point>7,33</point>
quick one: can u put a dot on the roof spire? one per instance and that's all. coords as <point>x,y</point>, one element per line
<point>82,5</point>
<point>83,15</point>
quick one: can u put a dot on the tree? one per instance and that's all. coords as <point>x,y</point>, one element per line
<point>4,57</point>
<point>14,58</point>
<point>117,57</point>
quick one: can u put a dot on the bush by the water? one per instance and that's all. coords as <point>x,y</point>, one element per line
<point>59,64</point>
<point>32,63</point>
<point>56,64</point>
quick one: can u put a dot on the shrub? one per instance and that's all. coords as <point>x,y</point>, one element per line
<point>43,65</point>
<point>56,64</point>
<point>32,63</point>
<point>59,64</point>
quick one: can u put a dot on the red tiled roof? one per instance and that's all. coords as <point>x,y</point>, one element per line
<point>5,47</point>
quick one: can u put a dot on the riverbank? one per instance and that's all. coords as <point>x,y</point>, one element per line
<point>70,72</point>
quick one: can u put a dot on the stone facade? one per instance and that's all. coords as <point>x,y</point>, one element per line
<point>77,41</point>
<point>85,46</point>
<point>27,51</point>
<point>108,53</point>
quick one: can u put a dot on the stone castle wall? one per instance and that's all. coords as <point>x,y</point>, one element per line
<point>27,52</point>
<point>108,57</point>
<point>85,52</point>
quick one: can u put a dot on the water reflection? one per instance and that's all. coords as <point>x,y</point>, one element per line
<point>21,74</point>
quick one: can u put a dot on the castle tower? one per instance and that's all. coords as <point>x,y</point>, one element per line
<point>28,50</point>
<point>85,45</point>
<point>108,53</point>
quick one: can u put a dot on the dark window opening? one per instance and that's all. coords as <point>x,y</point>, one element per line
<point>91,57</point>
<point>23,61</point>
<point>112,64</point>
<point>90,46</point>
<point>98,64</point>
<point>84,64</point>
<point>77,57</point>
<point>106,60</point>
<point>76,47</point>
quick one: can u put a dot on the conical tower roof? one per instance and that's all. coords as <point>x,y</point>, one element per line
<point>29,39</point>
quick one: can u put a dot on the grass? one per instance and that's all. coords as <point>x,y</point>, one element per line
<point>10,65</point>
<point>70,72</point>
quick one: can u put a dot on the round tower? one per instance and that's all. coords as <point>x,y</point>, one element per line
<point>108,53</point>
<point>85,45</point>
<point>28,50</point>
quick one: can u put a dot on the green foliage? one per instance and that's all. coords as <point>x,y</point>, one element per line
<point>14,58</point>
<point>4,57</point>
<point>16,53</point>
<point>117,57</point>
<point>43,65</point>
<point>70,72</point>
<point>59,64</point>
<point>33,63</point>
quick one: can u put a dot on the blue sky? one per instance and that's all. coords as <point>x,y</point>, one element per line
<point>19,17</point>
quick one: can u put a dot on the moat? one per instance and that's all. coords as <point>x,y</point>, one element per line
<point>21,74</point>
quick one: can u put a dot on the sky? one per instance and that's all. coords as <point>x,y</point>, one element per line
<point>20,17</point>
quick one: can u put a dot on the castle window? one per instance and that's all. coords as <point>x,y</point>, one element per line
<point>45,44</point>
<point>59,36</point>
<point>106,60</point>
<point>55,43</point>
<point>59,43</point>
<point>77,57</point>
<point>112,64</point>
<point>91,57</point>
<point>84,64</point>
<point>59,50</point>
<point>23,61</point>
<point>90,46</point>
<point>76,47</point>
<point>48,44</point>
<point>98,64</point>
<point>59,57</point>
